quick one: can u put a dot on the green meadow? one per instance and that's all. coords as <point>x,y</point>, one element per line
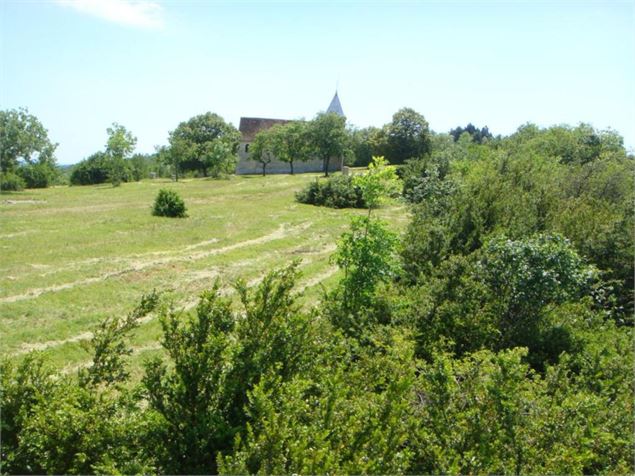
<point>71,256</point>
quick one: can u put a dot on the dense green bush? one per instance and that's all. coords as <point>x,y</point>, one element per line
<point>98,168</point>
<point>168,203</point>
<point>37,175</point>
<point>11,182</point>
<point>338,191</point>
<point>91,171</point>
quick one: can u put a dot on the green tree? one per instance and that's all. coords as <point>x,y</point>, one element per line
<point>328,138</point>
<point>291,143</point>
<point>367,255</point>
<point>120,145</point>
<point>25,149</point>
<point>367,143</point>
<point>408,136</point>
<point>262,149</point>
<point>92,170</point>
<point>139,165</point>
<point>378,183</point>
<point>478,135</point>
<point>367,252</point>
<point>24,139</point>
<point>205,143</point>
<point>172,157</point>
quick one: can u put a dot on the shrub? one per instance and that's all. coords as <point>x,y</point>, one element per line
<point>90,171</point>
<point>169,204</point>
<point>10,182</point>
<point>100,168</point>
<point>37,175</point>
<point>338,191</point>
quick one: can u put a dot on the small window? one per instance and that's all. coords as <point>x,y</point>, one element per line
<point>246,148</point>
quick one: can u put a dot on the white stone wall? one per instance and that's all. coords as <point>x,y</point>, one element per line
<point>250,167</point>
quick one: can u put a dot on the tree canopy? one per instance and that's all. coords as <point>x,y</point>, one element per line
<point>25,148</point>
<point>408,136</point>
<point>205,143</point>
<point>120,145</point>
<point>328,139</point>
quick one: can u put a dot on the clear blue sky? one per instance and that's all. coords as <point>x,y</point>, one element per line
<point>81,65</point>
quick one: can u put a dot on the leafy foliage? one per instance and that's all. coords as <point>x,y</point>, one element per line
<point>218,357</point>
<point>109,345</point>
<point>10,182</point>
<point>205,143</point>
<point>366,254</point>
<point>327,138</point>
<point>120,145</point>
<point>25,150</point>
<point>408,136</point>
<point>378,183</point>
<point>93,170</point>
<point>265,147</point>
<point>290,142</point>
<point>477,135</point>
<point>169,203</point>
<point>338,191</point>
<point>346,416</point>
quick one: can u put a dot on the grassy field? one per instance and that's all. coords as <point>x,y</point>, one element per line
<point>70,256</point>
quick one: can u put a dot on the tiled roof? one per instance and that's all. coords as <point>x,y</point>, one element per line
<point>250,126</point>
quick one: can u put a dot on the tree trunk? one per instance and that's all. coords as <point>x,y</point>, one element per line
<point>263,169</point>
<point>326,166</point>
<point>291,164</point>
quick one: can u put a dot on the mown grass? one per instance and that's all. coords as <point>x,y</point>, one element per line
<point>71,256</point>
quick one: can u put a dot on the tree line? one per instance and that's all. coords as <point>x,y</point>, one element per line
<point>493,336</point>
<point>205,145</point>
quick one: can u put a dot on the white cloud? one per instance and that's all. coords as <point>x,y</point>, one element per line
<point>136,13</point>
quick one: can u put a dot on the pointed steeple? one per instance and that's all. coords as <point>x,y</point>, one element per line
<point>335,106</point>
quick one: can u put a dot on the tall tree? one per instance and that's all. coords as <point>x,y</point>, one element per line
<point>206,143</point>
<point>120,145</point>
<point>408,136</point>
<point>328,138</point>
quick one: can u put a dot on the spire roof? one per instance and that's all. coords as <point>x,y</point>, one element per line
<point>335,106</point>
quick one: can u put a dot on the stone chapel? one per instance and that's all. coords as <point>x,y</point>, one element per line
<point>250,126</point>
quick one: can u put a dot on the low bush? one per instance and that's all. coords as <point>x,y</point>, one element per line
<point>99,168</point>
<point>338,191</point>
<point>37,175</point>
<point>91,171</point>
<point>10,182</point>
<point>169,204</point>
